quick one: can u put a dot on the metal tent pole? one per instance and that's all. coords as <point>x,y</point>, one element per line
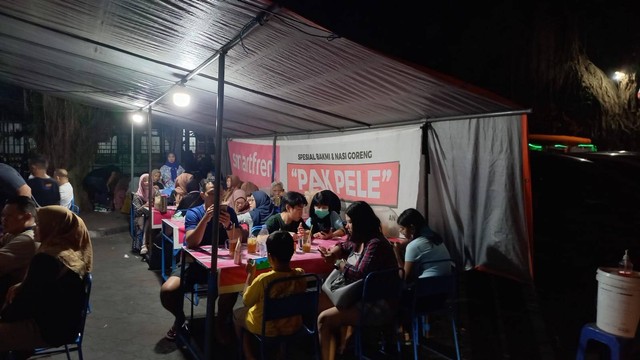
<point>212,292</point>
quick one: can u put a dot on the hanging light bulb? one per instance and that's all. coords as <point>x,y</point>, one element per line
<point>181,98</point>
<point>137,117</point>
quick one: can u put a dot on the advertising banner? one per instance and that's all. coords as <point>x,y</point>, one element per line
<point>381,167</point>
<point>251,160</point>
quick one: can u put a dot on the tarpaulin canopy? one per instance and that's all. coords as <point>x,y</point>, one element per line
<point>287,75</point>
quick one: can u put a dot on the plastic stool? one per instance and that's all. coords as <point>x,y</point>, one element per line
<point>617,345</point>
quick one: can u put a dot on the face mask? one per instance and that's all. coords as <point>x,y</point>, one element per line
<point>321,213</point>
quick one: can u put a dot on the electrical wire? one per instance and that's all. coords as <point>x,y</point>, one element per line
<point>285,19</point>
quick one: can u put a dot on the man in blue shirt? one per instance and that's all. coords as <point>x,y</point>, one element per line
<point>198,232</point>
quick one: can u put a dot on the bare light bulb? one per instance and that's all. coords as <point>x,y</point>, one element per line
<point>181,99</point>
<point>137,118</point>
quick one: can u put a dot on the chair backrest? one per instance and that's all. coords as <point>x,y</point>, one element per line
<point>383,284</point>
<point>433,294</point>
<point>303,303</point>
<point>73,207</point>
<point>86,307</point>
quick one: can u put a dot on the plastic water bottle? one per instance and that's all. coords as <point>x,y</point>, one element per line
<point>262,241</point>
<point>625,267</point>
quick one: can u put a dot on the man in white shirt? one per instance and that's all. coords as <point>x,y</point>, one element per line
<point>66,190</point>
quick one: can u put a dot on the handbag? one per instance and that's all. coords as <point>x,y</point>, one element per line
<point>341,293</point>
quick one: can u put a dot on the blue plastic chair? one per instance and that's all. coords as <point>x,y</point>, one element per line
<point>618,346</point>
<point>380,285</point>
<point>77,344</point>
<point>73,207</point>
<point>432,295</point>
<point>303,304</point>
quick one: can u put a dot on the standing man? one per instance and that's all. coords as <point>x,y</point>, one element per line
<point>66,190</point>
<point>17,245</point>
<point>44,189</point>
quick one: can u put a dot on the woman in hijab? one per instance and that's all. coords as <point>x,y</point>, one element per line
<point>180,189</point>
<point>233,183</point>
<point>238,201</point>
<point>156,177</point>
<point>170,170</point>
<point>261,209</point>
<point>193,198</point>
<point>140,203</point>
<point>44,310</point>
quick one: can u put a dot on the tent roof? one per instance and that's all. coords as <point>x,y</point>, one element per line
<point>285,76</point>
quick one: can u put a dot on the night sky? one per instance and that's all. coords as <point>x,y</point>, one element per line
<point>479,42</point>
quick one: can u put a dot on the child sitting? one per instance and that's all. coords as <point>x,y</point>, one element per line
<point>279,252</point>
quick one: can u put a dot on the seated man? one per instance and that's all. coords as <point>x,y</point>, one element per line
<point>66,190</point>
<point>249,317</point>
<point>17,246</point>
<point>44,189</point>
<point>11,184</point>
<point>198,232</point>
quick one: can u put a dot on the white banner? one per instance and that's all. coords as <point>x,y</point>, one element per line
<point>381,167</point>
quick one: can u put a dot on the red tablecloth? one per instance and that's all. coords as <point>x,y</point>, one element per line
<point>157,216</point>
<point>231,277</point>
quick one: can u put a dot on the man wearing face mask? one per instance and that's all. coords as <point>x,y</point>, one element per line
<point>324,215</point>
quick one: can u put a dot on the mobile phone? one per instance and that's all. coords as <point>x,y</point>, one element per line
<point>260,263</point>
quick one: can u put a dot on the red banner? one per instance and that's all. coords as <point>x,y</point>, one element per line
<point>375,183</point>
<point>253,162</point>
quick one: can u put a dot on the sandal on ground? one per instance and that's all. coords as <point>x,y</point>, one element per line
<point>171,334</point>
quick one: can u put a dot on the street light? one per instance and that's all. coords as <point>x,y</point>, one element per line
<point>619,76</point>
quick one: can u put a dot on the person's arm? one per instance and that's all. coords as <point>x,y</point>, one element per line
<point>369,254</point>
<point>337,252</point>
<point>17,254</point>
<point>24,190</point>
<point>246,219</point>
<point>193,237</point>
<point>138,206</point>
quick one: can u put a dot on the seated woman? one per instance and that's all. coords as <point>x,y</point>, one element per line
<point>260,209</point>
<point>290,219</point>
<point>140,203</point>
<point>156,177</point>
<point>277,189</point>
<point>180,189</point>
<point>365,251</point>
<point>248,187</point>
<point>192,198</point>
<point>44,310</point>
<point>423,249</point>
<point>238,202</point>
<point>233,183</point>
<point>170,170</point>
<point>324,215</point>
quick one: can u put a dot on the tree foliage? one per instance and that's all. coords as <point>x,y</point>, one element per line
<point>67,133</point>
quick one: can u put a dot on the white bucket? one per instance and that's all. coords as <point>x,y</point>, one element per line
<point>618,309</point>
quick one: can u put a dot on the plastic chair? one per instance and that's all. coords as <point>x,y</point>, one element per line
<point>379,285</point>
<point>432,295</point>
<point>303,304</point>
<point>77,344</point>
<point>73,207</point>
<point>618,346</point>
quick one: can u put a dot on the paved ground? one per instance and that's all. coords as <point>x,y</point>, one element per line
<point>498,318</point>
